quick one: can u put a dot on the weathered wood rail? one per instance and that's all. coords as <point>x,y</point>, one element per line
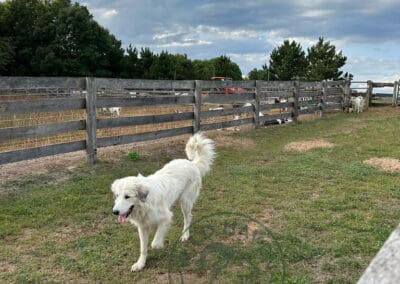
<point>258,103</point>
<point>384,268</point>
<point>367,88</point>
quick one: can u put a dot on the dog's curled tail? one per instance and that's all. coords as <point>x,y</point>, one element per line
<point>200,150</point>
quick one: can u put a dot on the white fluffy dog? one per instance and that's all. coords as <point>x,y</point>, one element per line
<point>146,201</point>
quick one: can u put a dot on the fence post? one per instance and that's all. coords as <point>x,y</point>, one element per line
<point>197,106</point>
<point>324,97</point>
<point>395,93</point>
<point>296,94</point>
<point>91,143</point>
<point>368,97</point>
<point>257,105</point>
<point>346,95</point>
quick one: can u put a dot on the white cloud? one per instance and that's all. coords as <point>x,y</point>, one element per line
<point>249,61</point>
<point>316,13</point>
<point>198,35</point>
<point>366,30</point>
<point>376,69</point>
<point>225,33</point>
<point>185,43</point>
<point>275,38</point>
<point>104,14</point>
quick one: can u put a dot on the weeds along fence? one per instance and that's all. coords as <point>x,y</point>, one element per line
<point>46,116</point>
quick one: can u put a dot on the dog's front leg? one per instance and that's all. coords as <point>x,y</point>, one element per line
<point>162,229</point>
<point>144,239</point>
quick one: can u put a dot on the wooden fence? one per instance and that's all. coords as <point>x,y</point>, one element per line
<point>206,105</point>
<point>366,88</point>
<point>383,269</point>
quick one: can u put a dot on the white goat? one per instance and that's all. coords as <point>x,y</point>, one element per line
<point>113,110</point>
<point>357,103</point>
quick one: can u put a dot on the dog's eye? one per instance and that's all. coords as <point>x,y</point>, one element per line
<point>127,196</point>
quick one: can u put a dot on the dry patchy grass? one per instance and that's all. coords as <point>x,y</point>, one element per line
<point>385,163</point>
<point>329,211</point>
<point>306,145</point>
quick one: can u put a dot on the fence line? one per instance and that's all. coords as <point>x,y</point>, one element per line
<point>369,91</point>
<point>257,103</point>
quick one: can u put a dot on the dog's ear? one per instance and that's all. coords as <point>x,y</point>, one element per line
<point>142,194</point>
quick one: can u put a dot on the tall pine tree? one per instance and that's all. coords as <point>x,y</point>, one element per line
<point>324,61</point>
<point>287,62</point>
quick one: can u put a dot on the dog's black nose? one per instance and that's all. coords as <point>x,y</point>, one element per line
<point>116,212</point>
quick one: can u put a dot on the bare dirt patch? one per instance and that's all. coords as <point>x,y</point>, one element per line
<point>385,163</point>
<point>306,145</point>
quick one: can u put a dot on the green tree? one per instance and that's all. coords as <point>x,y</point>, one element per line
<point>287,61</point>
<point>162,67</point>
<point>16,22</point>
<point>223,66</point>
<point>171,67</point>
<point>259,74</point>
<point>348,76</point>
<point>6,54</point>
<point>6,45</point>
<point>324,61</point>
<point>218,66</point>
<point>183,67</point>
<point>132,67</point>
<point>202,69</point>
<point>85,47</point>
<point>56,38</point>
<point>147,58</point>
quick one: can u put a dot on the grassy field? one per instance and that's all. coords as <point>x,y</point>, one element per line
<point>266,214</point>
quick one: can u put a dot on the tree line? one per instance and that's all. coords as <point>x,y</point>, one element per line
<point>58,38</point>
<point>289,61</point>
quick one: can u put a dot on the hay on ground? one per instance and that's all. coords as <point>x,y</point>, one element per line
<point>306,145</point>
<point>385,163</point>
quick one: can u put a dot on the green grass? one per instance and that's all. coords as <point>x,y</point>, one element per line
<point>264,214</point>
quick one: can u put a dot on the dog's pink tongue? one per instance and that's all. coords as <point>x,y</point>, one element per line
<point>121,219</point>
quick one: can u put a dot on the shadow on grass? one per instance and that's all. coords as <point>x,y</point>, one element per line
<point>229,246</point>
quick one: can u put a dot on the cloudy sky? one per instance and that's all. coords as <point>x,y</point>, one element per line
<point>366,31</point>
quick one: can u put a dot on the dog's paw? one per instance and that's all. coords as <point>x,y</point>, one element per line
<point>137,266</point>
<point>184,237</point>
<point>157,245</point>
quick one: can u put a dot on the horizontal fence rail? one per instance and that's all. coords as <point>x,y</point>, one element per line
<point>104,112</point>
<point>39,130</point>
<point>366,89</point>
<point>44,105</point>
<point>38,152</point>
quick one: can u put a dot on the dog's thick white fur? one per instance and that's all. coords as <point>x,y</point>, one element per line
<point>146,201</point>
